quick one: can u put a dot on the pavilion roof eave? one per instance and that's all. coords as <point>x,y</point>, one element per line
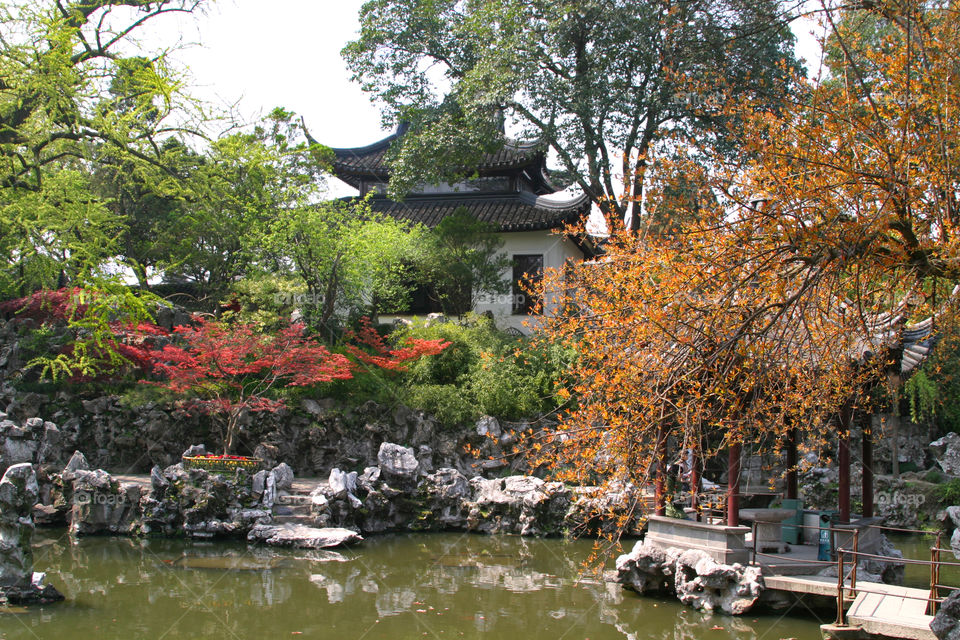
<point>351,164</point>
<point>509,212</point>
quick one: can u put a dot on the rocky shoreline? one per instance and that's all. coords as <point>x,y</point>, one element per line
<point>395,495</point>
<point>432,485</point>
<point>19,584</point>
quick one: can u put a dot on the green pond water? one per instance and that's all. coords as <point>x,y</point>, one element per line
<point>918,548</point>
<point>404,586</point>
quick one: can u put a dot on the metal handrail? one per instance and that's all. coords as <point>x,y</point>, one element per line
<point>833,541</point>
<point>933,598</point>
<point>902,530</point>
<point>864,554</point>
<point>791,559</point>
<point>905,596</point>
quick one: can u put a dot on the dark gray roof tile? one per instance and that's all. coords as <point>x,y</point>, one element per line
<point>510,212</point>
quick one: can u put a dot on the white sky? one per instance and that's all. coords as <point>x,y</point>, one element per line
<point>282,53</point>
<point>286,53</point>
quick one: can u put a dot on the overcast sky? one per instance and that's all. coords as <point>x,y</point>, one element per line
<point>285,53</point>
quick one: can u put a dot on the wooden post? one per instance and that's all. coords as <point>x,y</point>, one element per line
<point>934,591</point>
<point>841,621</point>
<point>856,562</point>
<point>733,485</point>
<point>843,461</point>
<point>659,483</point>
<point>695,482</point>
<point>792,492</point>
<point>866,483</point>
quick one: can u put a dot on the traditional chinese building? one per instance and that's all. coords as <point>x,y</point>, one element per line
<point>510,189</point>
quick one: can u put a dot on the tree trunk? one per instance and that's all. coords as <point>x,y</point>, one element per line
<point>659,484</point>
<point>866,484</point>
<point>792,464</point>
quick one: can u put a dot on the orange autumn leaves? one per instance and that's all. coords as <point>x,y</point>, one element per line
<point>763,308</point>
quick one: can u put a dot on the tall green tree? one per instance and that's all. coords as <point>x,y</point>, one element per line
<point>243,184</point>
<point>460,260</point>
<point>149,203</point>
<point>604,84</point>
<point>69,95</point>
<point>68,91</point>
<point>57,61</point>
<point>347,258</point>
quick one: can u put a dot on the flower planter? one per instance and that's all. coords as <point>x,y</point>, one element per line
<point>221,464</point>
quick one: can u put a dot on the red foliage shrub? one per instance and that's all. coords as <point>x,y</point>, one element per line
<point>385,357</point>
<point>46,305</point>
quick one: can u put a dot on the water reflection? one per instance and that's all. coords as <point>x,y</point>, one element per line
<point>440,586</point>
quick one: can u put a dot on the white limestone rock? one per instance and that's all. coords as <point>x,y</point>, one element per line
<point>282,476</point>
<point>946,451</point>
<point>397,463</point>
<point>302,537</point>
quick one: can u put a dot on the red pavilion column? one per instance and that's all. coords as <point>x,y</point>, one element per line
<point>695,483</point>
<point>866,483</point>
<point>843,461</point>
<point>792,492</point>
<point>733,485</point>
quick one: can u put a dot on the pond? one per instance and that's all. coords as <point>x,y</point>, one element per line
<point>398,586</point>
<point>917,547</point>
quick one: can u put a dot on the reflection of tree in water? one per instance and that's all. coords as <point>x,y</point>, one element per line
<point>411,583</point>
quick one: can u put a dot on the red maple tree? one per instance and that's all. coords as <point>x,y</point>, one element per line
<point>230,369</point>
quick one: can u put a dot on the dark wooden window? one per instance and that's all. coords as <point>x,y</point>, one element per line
<point>527,274</point>
<point>423,300</point>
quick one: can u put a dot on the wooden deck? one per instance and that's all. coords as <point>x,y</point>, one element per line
<point>807,585</point>
<point>875,609</point>
<point>894,612</point>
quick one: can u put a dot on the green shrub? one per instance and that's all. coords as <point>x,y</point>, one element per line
<point>468,341</point>
<point>503,389</point>
<point>446,402</point>
<point>949,493</point>
<point>496,373</point>
<point>374,385</point>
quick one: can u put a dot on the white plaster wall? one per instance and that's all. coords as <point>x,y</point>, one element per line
<point>556,250</point>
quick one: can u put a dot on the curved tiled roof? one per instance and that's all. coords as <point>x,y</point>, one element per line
<point>353,163</point>
<point>508,212</point>
<point>914,342</point>
<point>917,341</point>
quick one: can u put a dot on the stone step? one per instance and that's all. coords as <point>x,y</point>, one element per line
<point>308,521</point>
<point>294,499</point>
<point>294,510</point>
<point>298,491</point>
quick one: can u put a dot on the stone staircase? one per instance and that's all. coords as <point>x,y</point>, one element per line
<point>294,506</point>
